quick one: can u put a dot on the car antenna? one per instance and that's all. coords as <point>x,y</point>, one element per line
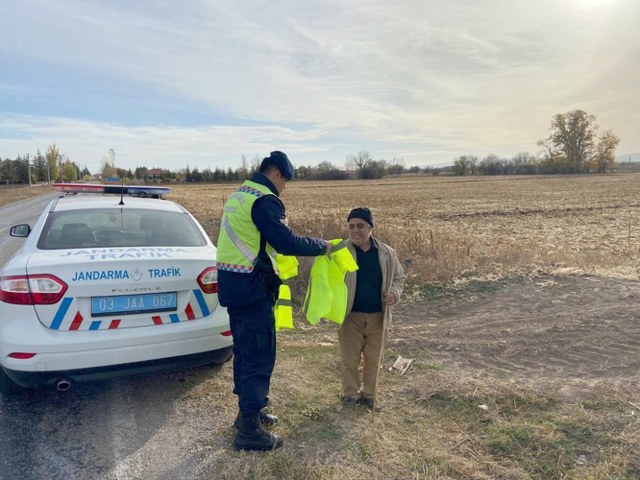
<point>122,193</point>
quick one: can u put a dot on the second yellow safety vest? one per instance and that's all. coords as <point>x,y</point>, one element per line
<point>327,294</point>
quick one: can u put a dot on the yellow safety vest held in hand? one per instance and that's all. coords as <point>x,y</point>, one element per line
<point>283,311</point>
<point>239,245</point>
<point>327,294</point>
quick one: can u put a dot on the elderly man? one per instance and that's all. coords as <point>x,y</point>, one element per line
<point>372,290</point>
<point>254,230</point>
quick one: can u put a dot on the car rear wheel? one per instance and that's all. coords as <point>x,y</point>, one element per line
<point>7,385</point>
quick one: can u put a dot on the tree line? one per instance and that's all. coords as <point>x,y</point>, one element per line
<point>573,146</point>
<point>50,167</point>
<point>56,167</point>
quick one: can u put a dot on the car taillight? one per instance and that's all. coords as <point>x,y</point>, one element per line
<point>32,289</point>
<point>208,280</point>
<point>22,355</point>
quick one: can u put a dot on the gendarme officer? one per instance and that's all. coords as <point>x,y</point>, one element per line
<point>254,230</point>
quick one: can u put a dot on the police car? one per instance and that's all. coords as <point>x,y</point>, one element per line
<point>108,285</point>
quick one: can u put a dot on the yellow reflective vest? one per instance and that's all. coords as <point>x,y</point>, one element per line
<point>283,311</point>
<point>239,245</point>
<point>327,294</point>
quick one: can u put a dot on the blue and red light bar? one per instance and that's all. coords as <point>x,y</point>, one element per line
<point>133,190</point>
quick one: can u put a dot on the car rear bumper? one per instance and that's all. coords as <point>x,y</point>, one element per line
<point>51,350</point>
<point>35,379</point>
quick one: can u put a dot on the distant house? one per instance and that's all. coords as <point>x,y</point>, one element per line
<point>155,174</point>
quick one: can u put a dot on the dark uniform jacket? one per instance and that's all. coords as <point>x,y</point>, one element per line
<point>268,214</point>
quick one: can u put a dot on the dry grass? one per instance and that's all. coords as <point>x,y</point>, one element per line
<point>451,229</point>
<point>14,194</point>
<point>431,427</point>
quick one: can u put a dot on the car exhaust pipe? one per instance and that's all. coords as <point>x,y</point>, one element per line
<point>63,385</point>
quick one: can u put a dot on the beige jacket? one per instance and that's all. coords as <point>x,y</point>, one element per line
<point>390,283</point>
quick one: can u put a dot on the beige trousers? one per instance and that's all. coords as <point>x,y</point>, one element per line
<point>361,338</point>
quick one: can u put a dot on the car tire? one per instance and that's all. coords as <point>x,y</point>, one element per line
<point>7,385</point>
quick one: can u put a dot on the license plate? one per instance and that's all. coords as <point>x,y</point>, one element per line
<point>131,304</point>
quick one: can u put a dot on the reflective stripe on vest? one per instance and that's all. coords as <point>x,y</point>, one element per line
<point>240,245</point>
<point>283,311</point>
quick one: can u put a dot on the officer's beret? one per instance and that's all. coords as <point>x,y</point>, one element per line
<point>362,212</point>
<point>281,161</point>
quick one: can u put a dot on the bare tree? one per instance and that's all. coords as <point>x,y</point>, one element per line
<point>465,164</point>
<point>244,170</point>
<point>255,164</point>
<point>396,166</point>
<point>359,162</point>
<point>491,165</point>
<point>604,158</point>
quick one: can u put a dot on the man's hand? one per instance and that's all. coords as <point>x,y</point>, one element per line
<point>328,246</point>
<point>390,299</point>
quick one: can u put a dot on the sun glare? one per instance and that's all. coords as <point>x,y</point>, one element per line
<point>593,3</point>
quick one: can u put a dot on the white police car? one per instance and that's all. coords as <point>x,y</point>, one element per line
<point>109,285</point>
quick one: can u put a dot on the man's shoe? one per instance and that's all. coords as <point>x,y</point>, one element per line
<point>369,403</point>
<point>251,436</point>
<point>349,403</point>
<point>266,419</point>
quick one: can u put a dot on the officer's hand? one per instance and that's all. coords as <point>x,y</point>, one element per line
<point>390,299</point>
<point>328,246</point>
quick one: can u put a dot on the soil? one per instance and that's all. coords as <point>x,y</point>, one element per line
<point>574,334</point>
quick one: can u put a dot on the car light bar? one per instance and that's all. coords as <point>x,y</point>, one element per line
<point>133,190</point>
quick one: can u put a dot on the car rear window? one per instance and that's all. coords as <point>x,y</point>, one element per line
<point>119,228</point>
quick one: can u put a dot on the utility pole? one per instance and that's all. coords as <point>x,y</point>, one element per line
<point>29,169</point>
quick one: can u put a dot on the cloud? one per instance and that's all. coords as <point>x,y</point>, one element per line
<point>327,78</point>
<point>167,147</point>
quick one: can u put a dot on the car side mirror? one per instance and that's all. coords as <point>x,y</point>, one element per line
<point>22,230</point>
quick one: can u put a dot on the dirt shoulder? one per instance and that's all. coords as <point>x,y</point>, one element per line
<point>570,334</point>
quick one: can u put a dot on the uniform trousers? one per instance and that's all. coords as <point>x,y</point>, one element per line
<point>254,353</point>
<point>361,338</point>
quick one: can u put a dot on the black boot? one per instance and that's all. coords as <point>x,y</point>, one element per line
<point>266,419</point>
<point>251,436</point>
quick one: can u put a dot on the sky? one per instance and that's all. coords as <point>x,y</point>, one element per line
<point>203,82</point>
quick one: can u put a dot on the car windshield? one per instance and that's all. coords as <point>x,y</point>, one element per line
<point>119,228</point>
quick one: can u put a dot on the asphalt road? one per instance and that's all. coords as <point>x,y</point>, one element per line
<point>26,211</point>
<point>128,428</point>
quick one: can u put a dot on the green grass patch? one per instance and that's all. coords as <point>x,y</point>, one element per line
<point>454,406</point>
<point>428,366</point>
<point>436,291</point>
